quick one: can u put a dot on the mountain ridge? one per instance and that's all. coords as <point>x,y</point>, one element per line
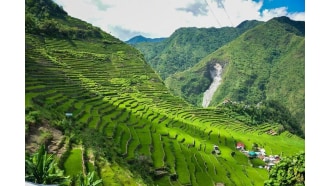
<point>187,45</point>
<point>142,39</point>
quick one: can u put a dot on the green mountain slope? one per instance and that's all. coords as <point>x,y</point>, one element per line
<point>109,112</point>
<point>187,46</point>
<point>141,39</point>
<point>265,63</point>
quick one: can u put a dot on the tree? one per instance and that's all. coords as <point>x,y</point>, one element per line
<point>30,23</point>
<point>290,171</point>
<point>42,168</point>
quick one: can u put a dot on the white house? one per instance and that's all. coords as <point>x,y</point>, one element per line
<point>216,149</point>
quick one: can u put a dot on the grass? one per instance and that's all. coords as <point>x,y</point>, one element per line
<point>158,152</point>
<point>28,98</point>
<point>114,174</point>
<point>181,164</point>
<point>73,164</point>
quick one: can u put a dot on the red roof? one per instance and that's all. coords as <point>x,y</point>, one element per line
<point>240,144</point>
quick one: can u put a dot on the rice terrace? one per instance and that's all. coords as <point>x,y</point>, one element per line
<point>102,112</point>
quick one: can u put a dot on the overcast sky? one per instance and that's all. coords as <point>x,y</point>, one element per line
<point>125,19</point>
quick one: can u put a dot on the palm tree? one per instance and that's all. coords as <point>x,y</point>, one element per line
<point>41,168</point>
<point>89,180</point>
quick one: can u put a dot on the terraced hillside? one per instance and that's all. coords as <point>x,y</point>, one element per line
<point>266,63</point>
<point>119,120</point>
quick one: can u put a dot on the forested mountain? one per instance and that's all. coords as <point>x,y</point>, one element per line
<point>266,63</point>
<point>107,118</point>
<point>142,39</point>
<point>187,46</point>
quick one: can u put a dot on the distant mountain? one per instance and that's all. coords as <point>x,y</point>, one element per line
<point>142,39</point>
<point>187,46</point>
<point>266,63</point>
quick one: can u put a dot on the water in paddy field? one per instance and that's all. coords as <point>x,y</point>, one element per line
<point>216,76</point>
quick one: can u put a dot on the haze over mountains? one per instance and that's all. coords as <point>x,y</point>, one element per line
<point>98,106</point>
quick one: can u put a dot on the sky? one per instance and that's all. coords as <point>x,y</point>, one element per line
<point>125,19</point>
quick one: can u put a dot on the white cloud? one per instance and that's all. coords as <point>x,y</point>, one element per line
<point>299,16</point>
<point>160,18</point>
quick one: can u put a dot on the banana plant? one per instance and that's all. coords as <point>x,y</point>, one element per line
<point>88,180</point>
<point>42,168</point>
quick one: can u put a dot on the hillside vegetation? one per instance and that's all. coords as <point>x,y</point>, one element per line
<point>141,39</point>
<point>114,116</point>
<point>187,46</point>
<point>266,63</point>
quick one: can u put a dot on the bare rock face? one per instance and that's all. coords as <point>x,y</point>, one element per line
<point>216,76</point>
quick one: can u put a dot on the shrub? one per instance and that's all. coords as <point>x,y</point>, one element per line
<point>290,171</point>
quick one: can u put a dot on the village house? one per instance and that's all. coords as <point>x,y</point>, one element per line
<point>216,150</point>
<point>240,146</point>
<point>262,152</point>
<point>270,160</point>
<point>252,154</point>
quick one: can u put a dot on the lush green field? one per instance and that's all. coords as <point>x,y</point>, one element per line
<point>74,165</point>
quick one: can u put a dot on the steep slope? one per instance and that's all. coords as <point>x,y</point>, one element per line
<point>265,63</point>
<point>141,39</point>
<point>187,46</point>
<point>117,118</point>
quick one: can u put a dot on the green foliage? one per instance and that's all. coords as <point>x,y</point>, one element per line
<point>265,112</point>
<point>44,9</point>
<point>289,171</point>
<point>73,163</point>
<point>193,87</point>
<point>42,168</point>
<point>30,23</point>
<point>65,125</point>
<point>141,39</point>
<point>99,143</point>
<point>32,119</point>
<point>256,162</point>
<point>32,116</point>
<point>143,166</point>
<point>88,180</point>
<point>44,17</point>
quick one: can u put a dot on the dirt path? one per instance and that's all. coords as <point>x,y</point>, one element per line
<point>38,135</point>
